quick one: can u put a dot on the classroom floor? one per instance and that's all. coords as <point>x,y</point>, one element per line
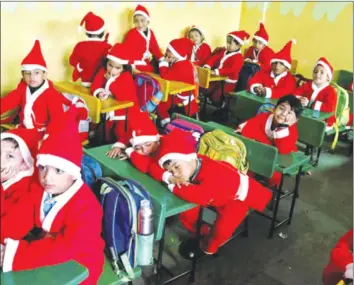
<point>323,213</point>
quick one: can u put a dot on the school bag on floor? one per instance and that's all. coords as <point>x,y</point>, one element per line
<point>90,172</point>
<point>247,71</point>
<point>266,108</point>
<point>221,146</point>
<point>121,203</point>
<point>148,92</point>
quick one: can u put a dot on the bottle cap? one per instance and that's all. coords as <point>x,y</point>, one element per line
<point>144,204</point>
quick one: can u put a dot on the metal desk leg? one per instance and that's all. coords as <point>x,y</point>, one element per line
<point>103,121</point>
<point>318,156</point>
<point>245,231</point>
<point>189,106</point>
<point>295,195</point>
<point>159,257</point>
<point>276,207</point>
<point>126,120</point>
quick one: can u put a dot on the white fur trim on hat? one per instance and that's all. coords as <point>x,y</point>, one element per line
<point>60,163</point>
<point>242,42</point>
<point>135,140</point>
<point>326,67</point>
<point>30,67</point>
<point>142,14</point>
<point>258,38</point>
<point>97,32</point>
<point>176,155</point>
<point>348,274</point>
<point>196,28</point>
<point>175,53</point>
<point>287,64</point>
<point>117,60</point>
<point>25,152</point>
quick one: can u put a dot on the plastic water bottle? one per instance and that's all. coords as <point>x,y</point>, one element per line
<point>145,234</point>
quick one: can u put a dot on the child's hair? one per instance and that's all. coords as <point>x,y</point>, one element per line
<point>233,39</point>
<point>11,140</point>
<point>126,67</point>
<point>196,30</point>
<point>95,36</point>
<point>167,163</point>
<point>294,102</point>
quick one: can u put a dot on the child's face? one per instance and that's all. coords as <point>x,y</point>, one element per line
<point>231,45</point>
<point>320,75</point>
<point>258,45</point>
<point>180,169</point>
<point>141,23</point>
<point>12,161</point>
<point>147,148</point>
<point>196,37</point>
<point>34,78</point>
<point>278,68</point>
<point>113,68</point>
<point>169,57</point>
<point>283,114</point>
<point>54,180</point>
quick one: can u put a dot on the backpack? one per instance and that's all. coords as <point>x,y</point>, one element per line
<point>90,171</point>
<point>247,71</point>
<point>82,118</point>
<point>121,203</point>
<point>266,108</point>
<point>148,92</point>
<point>221,146</point>
<point>195,130</point>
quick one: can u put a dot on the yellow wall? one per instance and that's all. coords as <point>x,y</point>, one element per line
<point>56,25</point>
<point>320,28</point>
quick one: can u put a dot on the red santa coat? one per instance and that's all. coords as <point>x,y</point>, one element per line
<point>276,87</point>
<point>86,59</point>
<point>73,232</point>
<point>263,57</point>
<point>341,259</point>
<point>146,45</point>
<point>200,53</point>
<point>323,99</point>
<point>122,88</point>
<point>39,109</point>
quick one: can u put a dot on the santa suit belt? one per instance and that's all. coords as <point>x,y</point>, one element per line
<point>242,190</point>
<point>186,99</point>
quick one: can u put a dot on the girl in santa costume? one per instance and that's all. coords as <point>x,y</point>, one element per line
<point>278,81</point>
<point>143,40</point>
<point>201,50</point>
<point>227,62</point>
<point>40,104</point>
<point>317,93</point>
<point>260,52</point>
<point>177,67</point>
<point>88,55</point>
<point>340,266</point>
<point>115,79</point>
<point>231,193</point>
<point>277,129</point>
<point>64,207</point>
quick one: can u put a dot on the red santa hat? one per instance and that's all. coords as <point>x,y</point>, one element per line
<point>54,153</point>
<point>141,10</point>
<point>327,66</point>
<point>261,34</point>
<point>94,24</point>
<point>34,60</point>
<point>194,27</point>
<point>240,36</point>
<point>284,55</point>
<point>176,145</point>
<point>121,53</point>
<point>180,48</point>
<point>145,132</point>
<point>27,140</point>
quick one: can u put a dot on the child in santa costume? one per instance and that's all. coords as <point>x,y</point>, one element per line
<point>142,39</point>
<point>115,79</point>
<point>64,207</point>
<point>317,93</point>
<point>260,52</point>
<point>340,266</point>
<point>231,193</point>
<point>18,151</point>
<point>277,129</point>
<point>40,104</point>
<point>227,62</point>
<point>177,67</point>
<point>201,50</point>
<point>88,55</point>
<point>278,81</point>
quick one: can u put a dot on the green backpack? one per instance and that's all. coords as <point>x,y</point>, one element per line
<point>220,146</point>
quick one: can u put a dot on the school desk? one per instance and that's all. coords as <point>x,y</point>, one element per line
<point>68,273</point>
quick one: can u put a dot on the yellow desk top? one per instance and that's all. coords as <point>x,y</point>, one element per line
<point>111,104</point>
<point>217,77</point>
<point>73,88</point>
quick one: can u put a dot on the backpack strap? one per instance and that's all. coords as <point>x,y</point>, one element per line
<point>126,264</point>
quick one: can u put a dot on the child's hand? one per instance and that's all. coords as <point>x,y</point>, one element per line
<point>107,75</point>
<point>304,101</point>
<point>212,72</point>
<point>206,66</point>
<point>291,120</point>
<point>248,60</point>
<point>238,131</point>
<point>103,95</point>
<point>179,181</point>
<point>259,90</point>
<point>114,152</point>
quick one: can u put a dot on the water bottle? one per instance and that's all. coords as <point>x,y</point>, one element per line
<point>145,234</point>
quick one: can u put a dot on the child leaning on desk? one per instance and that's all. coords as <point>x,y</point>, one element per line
<point>62,206</point>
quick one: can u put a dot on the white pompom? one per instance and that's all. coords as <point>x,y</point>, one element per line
<point>294,41</point>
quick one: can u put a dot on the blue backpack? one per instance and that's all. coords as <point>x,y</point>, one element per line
<point>266,108</point>
<point>90,171</point>
<point>121,203</point>
<point>148,92</point>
